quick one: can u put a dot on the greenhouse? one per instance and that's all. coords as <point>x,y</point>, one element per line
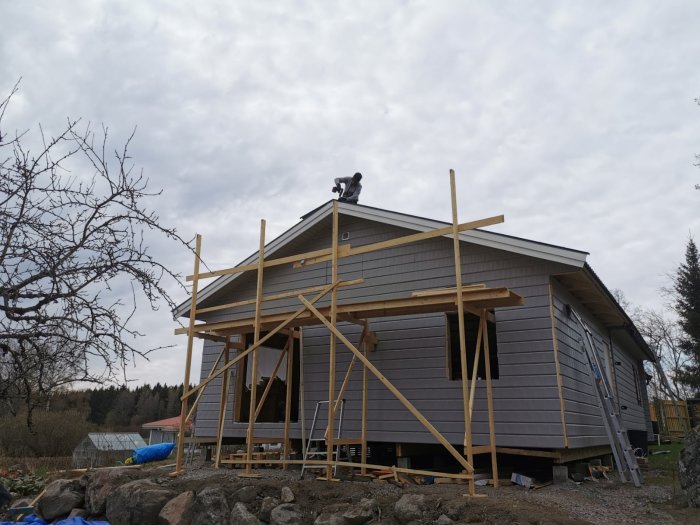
<point>104,449</point>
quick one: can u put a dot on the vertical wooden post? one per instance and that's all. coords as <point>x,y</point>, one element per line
<point>365,373</point>
<point>560,384</point>
<point>288,399</point>
<point>302,405</point>
<point>188,360</point>
<point>256,338</point>
<point>489,398</point>
<point>460,316</point>
<point>331,356</point>
<point>223,401</point>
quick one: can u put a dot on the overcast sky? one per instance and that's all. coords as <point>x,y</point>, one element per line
<point>577,120</point>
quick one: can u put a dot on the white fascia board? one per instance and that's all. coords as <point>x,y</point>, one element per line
<point>480,237</point>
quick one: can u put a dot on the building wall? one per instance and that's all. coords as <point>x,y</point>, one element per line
<point>412,351</point>
<point>582,412</point>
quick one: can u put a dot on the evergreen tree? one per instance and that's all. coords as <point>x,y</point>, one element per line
<point>687,306</point>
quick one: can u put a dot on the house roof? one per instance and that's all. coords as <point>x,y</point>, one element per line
<point>498,241</point>
<point>169,424</point>
<point>605,307</point>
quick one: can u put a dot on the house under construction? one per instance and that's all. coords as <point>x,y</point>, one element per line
<point>413,332</point>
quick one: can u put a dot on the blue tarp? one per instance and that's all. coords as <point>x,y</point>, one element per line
<point>152,453</point>
<point>33,520</point>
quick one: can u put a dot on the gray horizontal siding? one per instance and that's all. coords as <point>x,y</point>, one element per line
<point>412,351</point>
<point>584,422</point>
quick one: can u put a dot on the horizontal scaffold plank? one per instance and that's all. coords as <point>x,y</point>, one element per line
<point>476,297</point>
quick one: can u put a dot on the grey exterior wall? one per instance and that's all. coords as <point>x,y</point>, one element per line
<point>412,351</point>
<point>582,412</point>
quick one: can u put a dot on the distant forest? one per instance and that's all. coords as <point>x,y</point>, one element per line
<point>70,415</point>
<point>121,409</point>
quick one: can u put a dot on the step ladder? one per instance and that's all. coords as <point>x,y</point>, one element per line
<point>623,453</point>
<point>310,454</point>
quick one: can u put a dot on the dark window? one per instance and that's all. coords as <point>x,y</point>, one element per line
<point>273,409</point>
<point>471,328</point>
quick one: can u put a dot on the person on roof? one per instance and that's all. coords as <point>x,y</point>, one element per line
<point>351,193</point>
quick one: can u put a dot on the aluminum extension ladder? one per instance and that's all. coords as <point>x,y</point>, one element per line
<point>313,454</point>
<point>617,435</point>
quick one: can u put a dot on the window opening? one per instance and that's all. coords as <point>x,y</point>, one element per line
<point>471,328</point>
<point>273,409</point>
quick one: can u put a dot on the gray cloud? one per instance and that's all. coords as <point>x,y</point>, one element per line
<point>576,120</point>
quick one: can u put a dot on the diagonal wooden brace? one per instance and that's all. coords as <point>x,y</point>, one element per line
<point>421,418</point>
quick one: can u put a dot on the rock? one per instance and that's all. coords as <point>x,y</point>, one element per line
<point>330,518</point>
<point>241,516</point>
<point>103,483</point>
<point>410,507</point>
<point>5,496</point>
<point>286,514</point>
<point>268,503</point>
<point>287,495</point>
<point>177,511</point>
<point>211,507</point>
<point>689,467</point>
<point>60,497</point>
<point>362,513</point>
<point>443,520</point>
<point>246,494</point>
<point>78,513</point>
<point>138,501</point>
<point>455,508</point>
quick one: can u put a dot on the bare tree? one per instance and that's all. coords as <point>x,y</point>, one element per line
<point>664,338</point>
<point>66,242</point>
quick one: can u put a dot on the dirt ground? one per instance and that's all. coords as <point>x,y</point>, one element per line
<point>604,502</point>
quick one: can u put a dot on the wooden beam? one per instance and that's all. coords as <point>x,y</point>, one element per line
<point>468,467</point>
<point>408,239</point>
<point>223,401</point>
<point>268,264</point>
<point>288,397</point>
<point>252,413</point>
<point>262,341</point>
<point>275,297</point>
<point>199,394</point>
<point>321,462</point>
<point>363,428</point>
<point>188,359</point>
<point>560,385</point>
<point>489,400</point>
<point>331,359</point>
<point>460,317</point>
<point>487,298</point>
<point>268,386</point>
<point>475,368</point>
<point>446,291</point>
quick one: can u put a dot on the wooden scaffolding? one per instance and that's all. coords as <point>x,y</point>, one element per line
<point>476,299</point>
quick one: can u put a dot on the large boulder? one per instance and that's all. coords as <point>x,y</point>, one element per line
<point>247,494</point>
<point>689,467</point>
<point>101,484</point>
<point>240,515</point>
<point>211,507</point>
<point>177,511</point>
<point>268,503</point>
<point>5,496</point>
<point>60,497</point>
<point>286,514</point>
<point>410,508</point>
<point>138,501</point>
<point>361,513</point>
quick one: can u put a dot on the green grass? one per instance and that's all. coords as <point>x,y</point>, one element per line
<point>663,468</point>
